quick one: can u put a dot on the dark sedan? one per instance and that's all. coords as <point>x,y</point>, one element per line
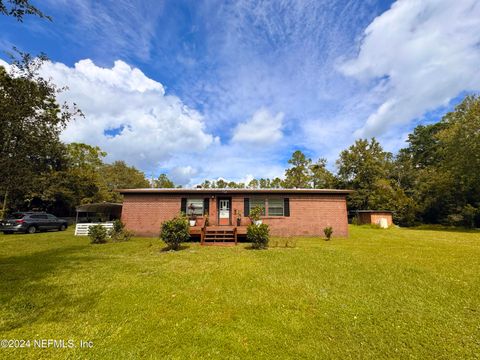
<point>31,222</point>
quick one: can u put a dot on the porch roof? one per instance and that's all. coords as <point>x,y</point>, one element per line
<point>103,207</point>
<point>233,191</point>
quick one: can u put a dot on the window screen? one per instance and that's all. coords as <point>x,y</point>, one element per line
<point>275,207</point>
<point>195,207</point>
<point>257,202</point>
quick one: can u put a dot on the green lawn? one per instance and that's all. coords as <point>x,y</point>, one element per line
<point>394,293</point>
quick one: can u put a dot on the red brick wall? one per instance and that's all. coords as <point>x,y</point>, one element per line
<point>144,213</point>
<point>309,214</point>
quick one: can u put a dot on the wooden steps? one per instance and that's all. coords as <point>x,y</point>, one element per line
<point>221,235</point>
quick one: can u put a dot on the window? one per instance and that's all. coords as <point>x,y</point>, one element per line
<point>271,207</point>
<point>275,207</point>
<point>51,217</point>
<point>257,202</point>
<point>195,207</point>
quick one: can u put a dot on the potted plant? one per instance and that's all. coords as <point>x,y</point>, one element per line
<point>255,214</point>
<point>239,218</point>
<point>191,215</point>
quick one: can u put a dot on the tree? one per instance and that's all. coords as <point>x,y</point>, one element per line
<point>31,121</point>
<point>298,175</point>
<point>253,184</point>
<point>321,177</point>
<point>19,8</point>
<point>78,181</point>
<point>369,170</point>
<point>221,184</point>
<point>460,139</point>
<point>163,182</point>
<point>448,184</point>
<point>206,184</point>
<point>235,185</point>
<point>359,168</point>
<point>80,177</point>
<point>264,183</point>
<point>119,175</point>
<point>440,167</point>
<point>276,183</point>
<point>424,145</point>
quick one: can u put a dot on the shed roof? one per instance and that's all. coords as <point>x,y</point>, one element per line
<point>372,211</point>
<point>233,191</point>
<point>100,207</point>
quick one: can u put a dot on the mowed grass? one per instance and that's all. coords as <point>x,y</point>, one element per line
<point>394,293</point>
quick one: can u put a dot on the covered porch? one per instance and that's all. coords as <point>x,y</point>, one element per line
<point>96,214</point>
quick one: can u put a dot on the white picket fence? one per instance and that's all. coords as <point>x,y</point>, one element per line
<point>82,229</point>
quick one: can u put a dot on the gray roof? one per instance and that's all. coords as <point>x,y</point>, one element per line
<point>233,191</point>
<point>103,207</point>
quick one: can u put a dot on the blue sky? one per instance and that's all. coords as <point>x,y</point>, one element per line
<point>208,89</point>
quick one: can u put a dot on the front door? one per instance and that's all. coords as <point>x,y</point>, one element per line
<point>224,211</point>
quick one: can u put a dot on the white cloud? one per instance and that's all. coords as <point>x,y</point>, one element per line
<point>262,129</point>
<point>121,27</point>
<point>182,174</point>
<point>146,127</point>
<point>153,131</point>
<point>422,54</point>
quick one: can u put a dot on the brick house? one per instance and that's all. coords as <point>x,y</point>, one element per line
<point>288,212</point>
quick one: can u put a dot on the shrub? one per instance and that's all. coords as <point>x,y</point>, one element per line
<point>291,242</point>
<point>175,231</point>
<point>464,216</point>
<point>258,235</point>
<point>118,226</point>
<point>119,233</point>
<point>127,235</point>
<point>98,234</point>
<point>255,214</point>
<point>328,231</point>
<point>355,220</point>
<point>469,213</point>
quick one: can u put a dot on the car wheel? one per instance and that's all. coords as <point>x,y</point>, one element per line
<point>31,229</point>
<point>62,228</point>
<point>8,232</point>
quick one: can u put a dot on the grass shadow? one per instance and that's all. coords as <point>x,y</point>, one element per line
<point>251,247</point>
<point>180,248</point>
<point>27,293</point>
<point>443,228</point>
